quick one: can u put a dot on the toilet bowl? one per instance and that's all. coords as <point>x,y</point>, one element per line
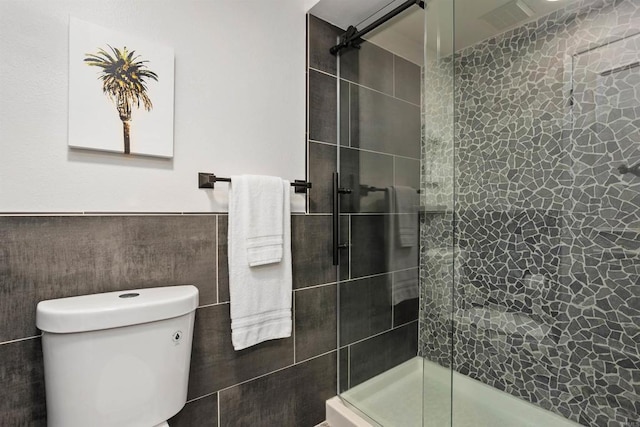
<point>117,359</point>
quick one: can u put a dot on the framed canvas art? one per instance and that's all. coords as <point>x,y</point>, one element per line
<point>120,92</point>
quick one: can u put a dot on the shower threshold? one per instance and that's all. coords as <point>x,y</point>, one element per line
<point>399,397</point>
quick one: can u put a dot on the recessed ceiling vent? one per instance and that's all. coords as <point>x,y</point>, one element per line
<point>508,15</point>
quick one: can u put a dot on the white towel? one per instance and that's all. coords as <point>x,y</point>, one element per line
<point>261,198</point>
<point>402,257</point>
<point>406,203</point>
<point>261,295</point>
<point>405,285</point>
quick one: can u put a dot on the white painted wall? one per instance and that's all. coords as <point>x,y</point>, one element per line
<point>239,103</point>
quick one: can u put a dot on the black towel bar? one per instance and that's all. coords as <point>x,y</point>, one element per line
<point>208,180</point>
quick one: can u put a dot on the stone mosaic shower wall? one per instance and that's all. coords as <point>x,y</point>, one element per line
<point>546,266</point>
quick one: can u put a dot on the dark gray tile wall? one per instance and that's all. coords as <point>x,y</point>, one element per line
<point>263,403</point>
<point>368,245</point>
<point>315,326</point>
<point>546,268</point>
<point>53,257</point>
<point>320,37</point>
<point>383,123</point>
<point>360,169</point>
<point>379,136</point>
<point>200,412</point>
<point>312,244</point>
<point>407,80</point>
<point>217,365</point>
<point>323,107</point>
<point>322,163</point>
<point>365,308</point>
<point>22,398</point>
<point>369,66</point>
<point>382,352</point>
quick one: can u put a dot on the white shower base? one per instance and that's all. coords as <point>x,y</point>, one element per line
<point>399,398</point>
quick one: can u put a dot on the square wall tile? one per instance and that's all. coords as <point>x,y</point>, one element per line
<point>365,308</point>
<point>321,37</point>
<point>368,245</point>
<point>322,164</point>
<point>370,66</point>
<point>345,253</point>
<point>22,393</point>
<point>216,365</point>
<point>343,368</point>
<point>345,113</point>
<point>54,257</point>
<point>315,321</point>
<point>382,352</point>
<point>406,172</point>
<point>384,124</point>
<point>291,397</point>
<point>406,80</point>
<point>323,107</point>
<point>312,253</point>
<point>223,258</point>
<point>360,171</point>
<point>201,412</point>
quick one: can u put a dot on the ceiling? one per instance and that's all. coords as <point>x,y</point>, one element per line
<point>404,34</point>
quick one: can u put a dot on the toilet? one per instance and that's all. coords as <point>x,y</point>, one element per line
<point>117,359</point>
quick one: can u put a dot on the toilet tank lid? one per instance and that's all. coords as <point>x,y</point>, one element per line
<point>115,309</point>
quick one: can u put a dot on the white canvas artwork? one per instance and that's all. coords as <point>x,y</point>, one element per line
<point>120,92</point>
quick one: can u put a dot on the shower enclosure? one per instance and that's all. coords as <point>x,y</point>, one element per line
<point>487,206</point>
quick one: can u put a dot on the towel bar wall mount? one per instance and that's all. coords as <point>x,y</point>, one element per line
<point>208,180</point>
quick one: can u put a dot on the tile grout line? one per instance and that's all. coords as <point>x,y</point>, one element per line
<point>215,304</point>
<point>382,93</point>
<point>349,217</point>
<point>393,75</point>
<point>365,87</point>
<point>322,285</point>
<point>293,324</point>
<point>379,274</point>
<point>350,117</point>
<point>204,396</point>
<point>21,339</point>
<point>348,366</point>
<point>381,333</point>
<point>307,117</point>
<point>217,259</point>
<point>383,153</point>
<point>316,141</point>
<point>274,371</point>
<point>218,402</point>
<point>326,73</point>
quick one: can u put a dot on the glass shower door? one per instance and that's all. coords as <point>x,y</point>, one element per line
<point>438,253</point>
<point>379,170</point>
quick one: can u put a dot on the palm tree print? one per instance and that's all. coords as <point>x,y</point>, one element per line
<point>124,81</point>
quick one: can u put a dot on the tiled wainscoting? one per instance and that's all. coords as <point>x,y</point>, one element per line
<point>378,135</point>
<point>281,382</point>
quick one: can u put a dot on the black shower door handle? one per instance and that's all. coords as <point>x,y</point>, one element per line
<point>337,191</point>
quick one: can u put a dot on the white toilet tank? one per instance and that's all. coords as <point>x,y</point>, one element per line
<point>117,359</point>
